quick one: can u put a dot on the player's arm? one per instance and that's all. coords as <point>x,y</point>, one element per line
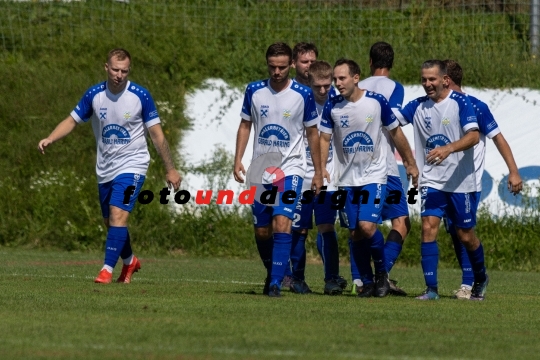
<point>404,149</point>
<point>325,149</point>
<point>312,135</point>
<point>162,146</point>
<point>63,129</point>
<point>515,184</point>
<point>242,138</point>
<point>437,155</point>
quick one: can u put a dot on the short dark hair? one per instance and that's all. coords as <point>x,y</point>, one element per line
<point>354,68</point>
<point>454,71</point>
<point>319,70</point>
<point>303,48</point>
<point>119,53</point>
<point>428,64</point>
<point>278,49</point>
<point>381,55</point>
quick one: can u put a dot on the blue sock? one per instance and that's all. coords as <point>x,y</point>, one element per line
<point>280,257</point>
<point>127,251</point>
<point>355,273</point>
<point>330,255</point>
<point>265,248</point>
<point>319,245</point>
<point>116,238</point>
<point>477,263</point>
<point>288,271</point>
<point>392,250</point>
<point>362,257</point>
<point>430,261</point>
<point>377,251</point>
<point>298,255</point>
<point>467,275</point>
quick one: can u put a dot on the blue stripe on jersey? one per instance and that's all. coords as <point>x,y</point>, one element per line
<point>84,107</point>
<point>387,116</point>
<point>467,116</point>
<point>410,109</point>
<point>396,99</point>
<point>486,121</point>
<point>326,118</point>
<point>310,109</point>
<point>149,111</point>
<point>250,90</point>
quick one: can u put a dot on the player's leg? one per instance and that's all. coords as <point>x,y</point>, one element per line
<point>117,199</point>
<point>262,223</point>
<point>467,276</point>
<point>301,223</point>
<point>355,273</point>
<point>464,211</point>
<point>433,208</point>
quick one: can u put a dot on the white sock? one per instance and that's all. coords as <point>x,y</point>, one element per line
<point>127,261</point>
<point>108,268</point>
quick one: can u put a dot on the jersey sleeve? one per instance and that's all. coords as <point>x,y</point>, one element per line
<point>310,111</point>
<point>327,124</point>
<point>83,111</point>
<point>406,115</point>
<point>245,114</point>
<point>388,119</point>
<point>149,112</point>
<point>467,115</point>
<point>486,122</point>
<point>396,99</point>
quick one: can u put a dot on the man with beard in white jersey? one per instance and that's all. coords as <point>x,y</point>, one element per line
<point>121,113</point>
<point>320,81</point>
<point>279,110</point>
<point>355,119</point>
<point>488,128</point>
<point>445,132</point>
<point>381,60</point>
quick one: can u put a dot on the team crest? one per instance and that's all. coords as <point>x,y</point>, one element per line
<point>127,115</point>
<point>286,114</point>
<point>369,119</point>
<point>446,121</point>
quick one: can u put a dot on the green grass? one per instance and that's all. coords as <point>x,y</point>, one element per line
<point>200,308</point>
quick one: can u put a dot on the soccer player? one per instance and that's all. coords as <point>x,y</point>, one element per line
<point>489,128</point>
<point>320,81</point>
<point>381,59</point>
<point>445,131</point>
<point>304,54</point>
<point>279,110</point>
<point>355,119</point>
<point>121,112</point>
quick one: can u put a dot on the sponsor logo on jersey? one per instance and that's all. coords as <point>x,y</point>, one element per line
<point>357,141</point>
<point>471,118</point>
<point>286,114</point>
<point>127,115</point>
<point>446,121</point>
<point>436,141</point>
<point>492,125</point>
<point>274,135</point>
<point>115,135</point>
<point>264,111</point>
<point>344,120</point>
<point>369,119</point>
<point>427,122</point>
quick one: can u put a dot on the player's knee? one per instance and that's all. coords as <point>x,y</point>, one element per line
<point>106,222</point>
<point>118,217</point>
<point>367,229</point>
<point>324,228</point>
<point>263,233</point>
<point>402,225</point>
<point>281,224</point>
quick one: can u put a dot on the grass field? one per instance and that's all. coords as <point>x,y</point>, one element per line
<point>202,308</point>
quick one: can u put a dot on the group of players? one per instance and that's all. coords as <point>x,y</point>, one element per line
<point>340,139</point>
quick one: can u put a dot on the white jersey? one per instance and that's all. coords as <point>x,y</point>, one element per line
<point>359,145</point>
<point>439,124</point>
<point>278,121</point>
<point>394,93</point>
<point>119,123</point>
<point>489,128</point>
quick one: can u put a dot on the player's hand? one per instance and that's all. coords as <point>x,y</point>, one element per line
<point>317,183</point>
<point>437,155</point>
<point>412,173</point>
<point>239,172</point>
<point>174,179</point>
<point>515,185</point>
<point>326,175</point>
<point>43,144</point>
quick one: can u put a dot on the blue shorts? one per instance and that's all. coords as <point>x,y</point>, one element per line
<point>112,192</point>
<point>448,224</point>
<point>393,211</point>
<point>324,213</point>
<point>370,211</point>
<point>263,214</point>
<point>460,208</point>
